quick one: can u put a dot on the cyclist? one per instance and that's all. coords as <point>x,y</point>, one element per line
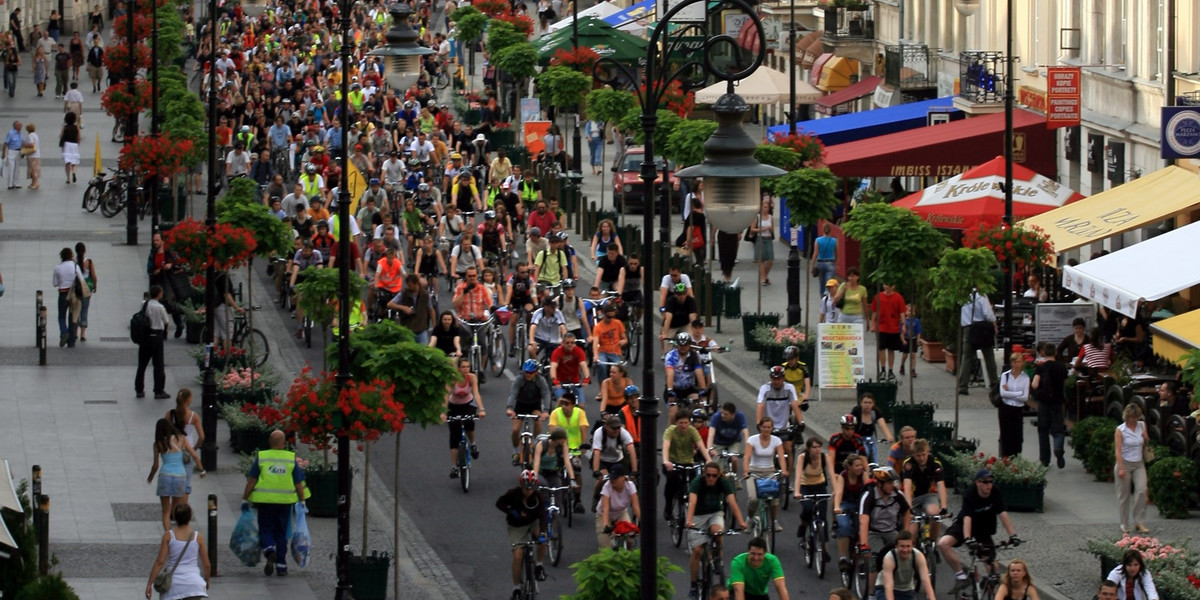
<point>491,236</point>
<point>632,294</point>
<point>763,452</point>
<point>280,136</point>
<point>812,476</point>
<point>392,170</point>
<point>463,399</point>
<point>389,280</point>
<point>465,193</point>
<point>524,510</point>
<point>982,504</point>
<point>374,192</point>
<point>617,498</point>
<point>573,311</point>
<point>518,296</point>
<point>465,255</point>
<point>304,258</point>
<point>844,443</point>
<point>902,449</point>
<point>574,421</point>
<point>902,570</point>
<point>429,263</point>
<point>924,482</point>
<point>608,336</point>
<point>323,241</point>
<point>847,489</point>
<point>612,444</point>
<point>882,513</point>
<point>678,312</point>
<point>415,176</point>
<point>546,330</point>
<point>708,496</point>
<point>779,400</point>
<point>529,395</point>
<point>551,459</point>
<point>312,182</point>
<point>610,269</point>
<point>680,443</point>
<point>428,205</point>
<point>752,573</point>
<point>727,430</point>
<point>796,372</point>
<point>870,422</point>
<point>550,264</point>
<point>568,363</point>
<point>685,375</point>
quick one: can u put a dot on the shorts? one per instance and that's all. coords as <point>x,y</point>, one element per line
<point>878,540</point>
<point>544,347</point>
<point>956,532</point>
<point>456,427</point>
<point>526,409</point>
<point>847,522</point>
<point>705,522</point>
<point>890,341</point>
<point>911,344</point>
<point>926,500</point>
<point>516,535</point>
<point>785,435</point>
<point>171,486</point>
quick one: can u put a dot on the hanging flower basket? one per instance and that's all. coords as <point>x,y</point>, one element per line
<point>582,59</point>
<point>809,147</point>
<point>229,247</point>
<point>318,411</point>
<point>118,102</point>
<point>155,155</point>
<point>521,23</point>
<point>142,26</point>
<point>493,8</point>
<point>1025,246</point>
<point>116,56</point>
<point>675,98</point>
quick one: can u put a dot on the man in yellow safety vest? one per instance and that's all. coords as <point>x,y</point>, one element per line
<point>275,484</point>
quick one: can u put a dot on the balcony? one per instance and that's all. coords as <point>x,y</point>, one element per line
<point>910,67</point>
<point>1189,99</point>
<point>982,77</point>
<point>852,22</point>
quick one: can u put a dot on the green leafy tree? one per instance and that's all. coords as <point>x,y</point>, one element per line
<point>241,191</point>
<point>685,142</point>
<point>809,194</point>
<point>48,587</point>
<point>318,292</point>
<point>519,61</point>
<point>896,245</point>
<point>611,575</point>
<point>609,105</point>
<point>667,120</point>
<point>365,343</point>
<point>460,14</point>
<point>469,23</point>
<point>502,34</point>
<point>421,374</point>
<point>562,87</point>
<point>776,156</point>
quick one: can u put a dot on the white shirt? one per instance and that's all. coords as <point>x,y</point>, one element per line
<point>74,96</point>
<point>617,501</point>
<point>778,402</point>
<point>760,457</point>
<point>1018,388</point>
<point>1132,441</point>
<point>978,309</point>
<point>667,283</point>
<point>64,274</point>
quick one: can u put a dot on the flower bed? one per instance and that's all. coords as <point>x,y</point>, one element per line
<point>1021,481</point>
<point>250,425</point>
<point>241,385</point>
<point>1173,566</point>
<point>221,359</point>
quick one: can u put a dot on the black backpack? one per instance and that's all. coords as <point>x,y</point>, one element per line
<point>139,325</point>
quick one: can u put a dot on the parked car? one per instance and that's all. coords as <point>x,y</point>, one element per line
<point>629,192</point>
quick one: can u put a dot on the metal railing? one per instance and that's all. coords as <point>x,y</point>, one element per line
<point>982,76</point>
<point>849,23</point>
<point>910,67</point>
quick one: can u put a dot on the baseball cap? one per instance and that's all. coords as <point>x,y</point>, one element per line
<point>831,282</point>
<point>982,474</point>
<point>615,471</point>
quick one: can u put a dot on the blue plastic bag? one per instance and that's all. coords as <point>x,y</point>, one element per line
<point>301,542</point>
<point>244,541</point>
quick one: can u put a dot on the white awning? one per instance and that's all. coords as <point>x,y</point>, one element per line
<point>1150,270</point>
<point>600,11</point>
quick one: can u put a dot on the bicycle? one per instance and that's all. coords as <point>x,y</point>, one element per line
<point>762,524</point>
<point>679,522</point>
<point>475,352</point>
<point>710,373</point>
<point>984,580</point>
<point>926,542</point>
<point>554,539</point>
<point>464,451</point>
<point>624,536</point>
<point>814,538</point>
<point>521,333</point>
<point>712,565</point>
<point>115,194</point>
<point>525,449</point>
<point>634,350</point>
<point>95,190</point>
<point>251,340</point>
<point>857,576</point>
<point>528,585</point>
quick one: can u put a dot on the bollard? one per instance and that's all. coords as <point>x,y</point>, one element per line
<point>793,287</point>
<point>38,303</point>
<point>42,516</point>
<point>212,533</point>
<point>40,328</point>
<point>35,488</point>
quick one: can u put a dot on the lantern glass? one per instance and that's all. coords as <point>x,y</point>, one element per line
<point>730,203</point>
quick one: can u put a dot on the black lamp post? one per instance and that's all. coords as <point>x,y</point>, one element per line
<point>131,227</point>
<point>208,393</point>
<point>792,78</point>
<point>576,174</point>
<point>731,187</point>
<point>155,181</point>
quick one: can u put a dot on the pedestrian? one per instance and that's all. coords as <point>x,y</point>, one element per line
<point>1049,379</point>
<point>851,299</point>
<point>68,140</point>
<point>14,27</point>
<point>64,280</point>
<point>184,549</point>
<point>39,70</point>
<point>87,270</point>
<point>75,49</point>
<point>62,71</point>
<point>73,102</point>
<point>95,64</point>
<point>763,229</point>
<point>1014,394</point>
<point>1130,443</point>
<point>96,18</point>
<point>187,422</point>
<point>887,314</point>
<point>12,64</point>
<point>825,250</point>
<point>1133,579</point>
<point>910,337</point>
<point>170,446</point>
<point>829,310</point>
<point>1017,582</point>
<point>151,348</point>
<point>54,24</point>
<point>162,266</point>
<point>275,483</point>
<point>32,150</point>
<point>11,153</point>
<point>594,131</point>
<point>977,333</point>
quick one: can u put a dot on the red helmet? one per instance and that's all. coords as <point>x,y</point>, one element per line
<point>529,479</point>
<point>777,372</point>
<point>849,420</point>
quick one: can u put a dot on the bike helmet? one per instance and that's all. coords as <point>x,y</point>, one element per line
<point>323,223</point>
<point>791,352</point>
<point>683,338</point>
<point>529,366</point>
<point>423,187</point>
<point>318,148</point>
<point>491,216</point>
<point>680,288</point>
<point>884,474</point>
<point>245,129</point>
<point>529,479</point>
<point>848,420</point>
<point>455,156</point>
<point>374,181</point>
<point>632,391</point>
<point>310,168</point>
<point>699,414</point>
<point>567,283</point>
<point>776,372</point>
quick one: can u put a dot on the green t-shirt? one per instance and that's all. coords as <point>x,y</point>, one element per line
<point>856,299</point>
<point>710,498</point>
<point>683,444</point>
<point>756,581</point>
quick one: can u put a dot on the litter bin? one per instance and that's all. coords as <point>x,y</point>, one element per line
<point>733,301</point>
<point>170,206</point>
<point>719,289</point>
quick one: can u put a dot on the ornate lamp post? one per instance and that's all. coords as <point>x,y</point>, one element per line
<point>576,174</point>
<point>131,216</point>
<point>208,394</point>
<point>155,181</point>
<point>731,192</point>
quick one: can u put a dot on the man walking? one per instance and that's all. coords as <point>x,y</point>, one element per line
<point>976,314</point>
<point>274,484</point>
<point>62,71</point>
<point>887,312</point>
<point>12,64</point>
<point>151,348</point>
<point>12,154</point>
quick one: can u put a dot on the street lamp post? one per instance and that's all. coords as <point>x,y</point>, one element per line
<point>131,227</point>
<point>208,393</point>
<point>792,76</point>
<point>576,174</point>
<point>155,182</point>
<point>731,189</point>
<point>343,589</point>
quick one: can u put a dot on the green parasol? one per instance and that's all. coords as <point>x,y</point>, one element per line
<point>594,33</point>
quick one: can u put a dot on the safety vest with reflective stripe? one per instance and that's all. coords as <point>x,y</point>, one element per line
<point>390,275</point>
<point>275,485</point>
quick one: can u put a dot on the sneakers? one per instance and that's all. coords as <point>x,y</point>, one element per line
<point>512,352</point>
<point>539,572</point>
<point>516,461</point>
<point>516,595</point>
<point>474,452</point>
<point>453,472</point>
<point>960,583</point>
<point>778,527</point>
<point>882,374</point>
<point>1062,460</point>
<point>891,376</point>
<point>281,570</point>
<point>694,592</point>
<point>269,568</point>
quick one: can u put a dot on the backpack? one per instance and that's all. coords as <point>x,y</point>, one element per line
<point>139,325</point>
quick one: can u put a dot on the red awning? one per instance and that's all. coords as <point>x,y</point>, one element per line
<point>855,91</point>
<point>948,149</point>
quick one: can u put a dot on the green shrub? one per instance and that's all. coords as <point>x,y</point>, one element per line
<point>1099,459</point>
<point>1171,482</point>
<point>609,575</point>
<point>1081,434</point>
<point>48,587</point>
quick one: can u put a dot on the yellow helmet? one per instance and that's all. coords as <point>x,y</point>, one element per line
<point>456,156</point>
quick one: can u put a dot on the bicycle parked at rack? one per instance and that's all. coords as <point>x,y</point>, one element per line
<point>251,340</point>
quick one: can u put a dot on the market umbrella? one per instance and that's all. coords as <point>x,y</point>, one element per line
<point>600,11</point>
<point>764,86</point>
<point>594,33</point>
<point>977,196</point>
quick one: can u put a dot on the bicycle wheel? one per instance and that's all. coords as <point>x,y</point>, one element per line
<point>529,582</point>
<point>111,202</point>
<point>862,575</point>
<point>555,544</point>
<point>256,345</point>
<point>499,354</point>
<point>570,506</point>
<point>784,491</point>
<point>808,545</point>
<point>930,551</point>
<point>770,528</point>
<point>464,467</point>
<point>819,555</point>
<point>519,341</point>
<point>118,135</point>
<point>91,198</point>
<point>678,523</point>
<point>847,574</point>
<point>635,345</point>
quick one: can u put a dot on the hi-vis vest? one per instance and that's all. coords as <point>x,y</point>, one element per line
<point>274,485</point>
<point>310,185</point>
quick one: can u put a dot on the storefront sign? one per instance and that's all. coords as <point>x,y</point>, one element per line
<point>1101,226</point>
<point>1063,105</point>
<point>841,355</point>
<point>1019,147</point>
<point>1095,153</point>
<point>1114,160</point>
<point>1180,132</point>
<point>1031,98</point>
<point>531,109</point>
<point>1053,321</point>
<point>928,170</point>
<point>696,13</point>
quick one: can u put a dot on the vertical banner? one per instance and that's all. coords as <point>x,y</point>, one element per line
<point>534,132</point>
<point>841,355</point>
<point>1114,161</point>
<point>1063,105</point>
<point>1095,153</point>
<point>1071,143</point>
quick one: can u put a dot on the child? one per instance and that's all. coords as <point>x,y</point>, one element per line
<point>489,282</point>
<point>910,334</point>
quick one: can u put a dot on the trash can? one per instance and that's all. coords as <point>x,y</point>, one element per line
<point>733,301</point>
<point>170,206</point>
<point>719,289</point>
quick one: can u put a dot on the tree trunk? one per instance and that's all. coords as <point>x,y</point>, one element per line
<point>396,515</point>
<point>366,493</point>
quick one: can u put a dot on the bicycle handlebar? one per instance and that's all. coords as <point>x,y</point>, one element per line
<point>523,417</point>
<point>462,418</point>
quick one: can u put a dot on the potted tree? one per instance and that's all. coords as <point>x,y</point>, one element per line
<point>958,274</point>
<point>607,574</point>
<point>319,293</point>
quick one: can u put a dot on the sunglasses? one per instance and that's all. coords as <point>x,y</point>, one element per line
<point>986,481</point>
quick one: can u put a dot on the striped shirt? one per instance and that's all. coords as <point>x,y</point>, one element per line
<point>1096,357</point>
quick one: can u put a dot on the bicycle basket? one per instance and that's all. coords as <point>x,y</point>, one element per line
<point>767,488</point>
<point>503,315</point>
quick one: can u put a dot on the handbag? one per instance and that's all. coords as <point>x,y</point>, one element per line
<point>162,582</point>
<point>841,302</point>
<point>82,289</point>
<point>749,236</point>
<point>697,237</point>
<point>27,150</point>
<point>1148,454</point>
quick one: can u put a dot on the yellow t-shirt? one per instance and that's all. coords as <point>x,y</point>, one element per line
<point>855,299</point>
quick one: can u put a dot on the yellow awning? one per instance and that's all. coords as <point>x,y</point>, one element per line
<point>1139,203</point>
<point>1174,337</point>
<point>837,73</point>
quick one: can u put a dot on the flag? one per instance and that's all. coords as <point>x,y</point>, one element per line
<point>356,184</point>
<point>97,168</point>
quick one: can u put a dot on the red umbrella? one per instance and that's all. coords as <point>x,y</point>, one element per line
<point>977,196</point>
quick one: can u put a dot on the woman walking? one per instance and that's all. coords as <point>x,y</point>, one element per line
<point>763,229</point>
<point>185,551</point>
<point>39,70</point>
<point>75,49</point>
<point>1014,393</point>
<point>33,159</point>
<point>88,270</point>
<point>186,421</point>
<point>594,131</point>
<point>70,146</point>
<point>169,446</point>
<point>1129,445</point>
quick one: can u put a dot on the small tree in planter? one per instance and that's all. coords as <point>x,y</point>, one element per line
<point>1171,482</point>
<point>272,236</point>
<point>520,62</point>
<point>958,274</point>
<point>469,23</point>
<point>319,293</point>
<point>562,87</point>
<point>608,574</point>
<point>809,194</point>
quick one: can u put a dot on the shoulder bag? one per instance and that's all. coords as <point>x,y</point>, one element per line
<point>980,334</point>
<point>994,393</point>
<point>162,583</point>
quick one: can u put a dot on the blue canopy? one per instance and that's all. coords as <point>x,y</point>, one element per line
<point>637,11</point>
<point>868,123</point>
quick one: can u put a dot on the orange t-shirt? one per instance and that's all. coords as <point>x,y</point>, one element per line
<point>608,337</point>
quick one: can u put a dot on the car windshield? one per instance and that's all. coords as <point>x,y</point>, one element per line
<point>633,162</point>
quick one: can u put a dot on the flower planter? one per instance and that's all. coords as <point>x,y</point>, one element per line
<point>245,396</point>
<point>1028,497</point>
<point>194,332</point>
<point>950,361</point>
<point>752,320</point>
<point>503,137</point>
<point>369,576</point>
<point>248,441</point>
<point>934,352</point>
<point>1106,566</point>
<point>884,393</point>
<point>771,354</point>
<point>323,485</point>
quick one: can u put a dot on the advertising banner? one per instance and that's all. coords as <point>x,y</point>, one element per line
<point>1180,132</point>
<point>1064,106</point>
<point>534,132</point>
<point>841,355</point>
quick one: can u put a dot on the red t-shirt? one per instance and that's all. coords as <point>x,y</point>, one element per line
<point>889,309</point>
<point>542,221</point>
<point>354,254</point>
<point>568,364</point>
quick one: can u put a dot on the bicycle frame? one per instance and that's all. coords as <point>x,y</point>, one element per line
<point>527,428</point>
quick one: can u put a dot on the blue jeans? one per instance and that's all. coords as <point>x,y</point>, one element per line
<point>596,148</point>
<point>66,327</point>
<point>869,442</point>
<point>845,525</point>
<point>421,337</point>
<point>826,270</point>
<point>83,310</point>
<point>10,82</point>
